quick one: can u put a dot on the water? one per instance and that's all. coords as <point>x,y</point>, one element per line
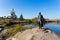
<point>33,26</point>
<point>53,27</point>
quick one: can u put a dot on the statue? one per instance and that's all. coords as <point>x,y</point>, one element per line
<point>40,20</point>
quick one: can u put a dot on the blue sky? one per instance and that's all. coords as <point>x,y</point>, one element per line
<point>30,8</point>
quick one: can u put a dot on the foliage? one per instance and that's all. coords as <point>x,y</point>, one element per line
<point>9,33</point>
<point>29,21</point>
<point>13,15</point>
<point>19,28</point>
<point>21,17</point>
<point>34,21</point>
<point>14,30</point>
<point>8,22</point>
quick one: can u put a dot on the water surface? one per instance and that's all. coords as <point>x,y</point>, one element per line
<point>53,27</point>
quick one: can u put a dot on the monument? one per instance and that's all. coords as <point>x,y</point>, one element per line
<point>40,20</point>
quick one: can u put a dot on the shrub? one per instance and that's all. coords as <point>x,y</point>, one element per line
<point>9,33</point>
<point>19,28</point>
<point>8,22</point>
<point>14,30</point>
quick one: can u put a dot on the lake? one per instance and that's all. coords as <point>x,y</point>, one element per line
<point>53,27</point>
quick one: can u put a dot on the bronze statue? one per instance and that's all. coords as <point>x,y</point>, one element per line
<point>40,20</point>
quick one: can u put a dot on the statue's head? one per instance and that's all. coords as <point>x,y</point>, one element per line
<point>39,13</point>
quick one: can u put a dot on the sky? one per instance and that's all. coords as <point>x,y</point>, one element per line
<point>31,8</point>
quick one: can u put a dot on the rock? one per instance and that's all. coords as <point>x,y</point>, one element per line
<point>35,34</point>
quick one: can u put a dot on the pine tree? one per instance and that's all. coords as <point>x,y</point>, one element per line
<point>21,17</point>
<point>13,15</point>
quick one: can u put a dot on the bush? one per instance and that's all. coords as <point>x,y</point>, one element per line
<point>14,30</point>
<point>9,33</point>
<point>8,23</point>
<point>19,28</point>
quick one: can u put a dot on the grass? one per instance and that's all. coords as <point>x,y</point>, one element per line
<point>13,30</point>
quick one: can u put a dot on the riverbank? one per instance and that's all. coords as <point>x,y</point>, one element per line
<point>35,34</point>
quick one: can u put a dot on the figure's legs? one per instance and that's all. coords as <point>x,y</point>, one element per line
<point>39,24</point>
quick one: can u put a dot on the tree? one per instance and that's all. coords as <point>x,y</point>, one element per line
<point>5,17</point>
<point>21,17</point>
<point>13,15</point>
